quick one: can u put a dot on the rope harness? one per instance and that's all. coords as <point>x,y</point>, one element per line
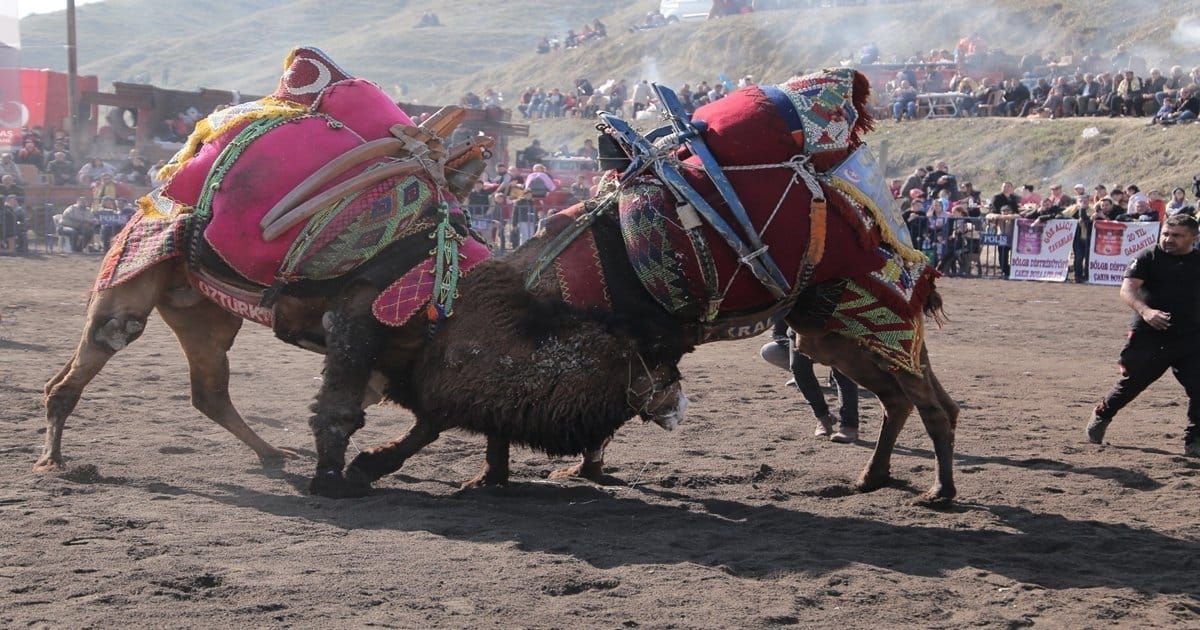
<point>656,154</point>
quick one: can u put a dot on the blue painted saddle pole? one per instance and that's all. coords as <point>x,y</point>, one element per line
<point>689,134</point>
<point>641,151</point>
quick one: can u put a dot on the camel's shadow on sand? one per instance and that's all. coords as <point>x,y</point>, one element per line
<point>652,525</point>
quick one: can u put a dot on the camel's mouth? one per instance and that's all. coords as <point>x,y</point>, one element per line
<point>663,404</point>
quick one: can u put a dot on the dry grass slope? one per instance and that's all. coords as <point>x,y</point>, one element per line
<point>490,44</point>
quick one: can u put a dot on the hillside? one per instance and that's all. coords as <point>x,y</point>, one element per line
<point>490,44</point>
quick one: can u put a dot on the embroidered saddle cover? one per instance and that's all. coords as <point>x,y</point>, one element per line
<point>753,133</point>
<point>240,161</point>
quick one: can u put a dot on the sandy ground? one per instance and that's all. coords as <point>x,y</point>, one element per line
<point>737,519</point>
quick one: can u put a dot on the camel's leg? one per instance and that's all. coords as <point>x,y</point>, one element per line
<point>376,462</point>
<point>495,467</point>
<point>115,318</point>
<point>206,332</point>
<point>896,409</point>
<point>591,467</point>
<point>940,415</point>
<point>353,341</point>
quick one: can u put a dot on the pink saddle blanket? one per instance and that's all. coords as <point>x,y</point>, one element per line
<point>327,112</point>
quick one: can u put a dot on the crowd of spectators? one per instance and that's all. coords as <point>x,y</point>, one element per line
<point>947,216</point>
<point>1045,85</point>
<point>591,31</point>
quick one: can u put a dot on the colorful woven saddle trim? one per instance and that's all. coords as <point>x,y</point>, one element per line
<point>414,291</point>
<point>819,109</point>
<point>891,334</point>
<point>351,231</point>
<point>658,248</point>
<point>580,275</point>
<point>143,243</point>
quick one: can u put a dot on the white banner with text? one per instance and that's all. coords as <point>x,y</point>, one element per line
<point>1114,244</point>
<point>1042,249</point>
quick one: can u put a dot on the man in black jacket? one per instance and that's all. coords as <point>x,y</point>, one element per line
<point>1162,287</point>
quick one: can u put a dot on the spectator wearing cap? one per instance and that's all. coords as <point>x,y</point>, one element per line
<point>1059,198</point>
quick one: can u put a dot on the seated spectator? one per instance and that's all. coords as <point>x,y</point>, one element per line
<point>588,150</point>
<point>904,101</point>
<point>91,172</point>
<point>1086,99</point>
<point>103,188</point>
<point>539,182</point>
<point>111,224</point>
<point>9,167</point>
<point>133,170</point>
<point>1126,98</point>
<point>1164,112</point>
<point>599,29</point>
<point>61,170</point>
<point>534,153</point>
<point>31,153</point>
<point>1187,110</point>
<point>1016,97</point>
<point>78,225</point>
<point>580,190</point>
<point>543,46</point>
<point>9,186</point>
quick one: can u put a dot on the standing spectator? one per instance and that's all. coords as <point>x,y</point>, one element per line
<point>641,96</point>
<point>781,352</point>
<point>1162,287</point>
<point>501,182</point>
<point>501,214</point>
<point>1178,203</point>
<point>524,216</point>
<point>13,224</point>
<point>1004,210</point>
<point>1080,211</point>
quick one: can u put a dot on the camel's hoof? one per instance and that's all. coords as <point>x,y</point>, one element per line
<point>48,464</point>
<point>333,485</point>
<point>483,480</point>
<point>871,483</point>
<point>580,471</point>
<point>936,497</point>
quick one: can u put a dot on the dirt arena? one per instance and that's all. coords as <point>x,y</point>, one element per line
<point>740,518</point>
